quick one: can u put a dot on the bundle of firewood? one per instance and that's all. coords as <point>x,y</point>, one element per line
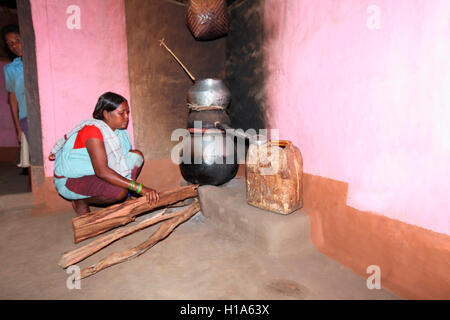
<point>96,223</point>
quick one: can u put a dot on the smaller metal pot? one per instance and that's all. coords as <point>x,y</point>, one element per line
<point>209,92</point>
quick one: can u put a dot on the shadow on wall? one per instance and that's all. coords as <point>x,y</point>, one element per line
<point>245,65</point>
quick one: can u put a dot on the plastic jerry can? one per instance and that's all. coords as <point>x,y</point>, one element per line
<point>274,172</point>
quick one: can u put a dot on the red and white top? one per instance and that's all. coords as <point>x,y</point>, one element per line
<point>88,132</point>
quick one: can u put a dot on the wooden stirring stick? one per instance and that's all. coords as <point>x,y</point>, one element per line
<point>161,43</point>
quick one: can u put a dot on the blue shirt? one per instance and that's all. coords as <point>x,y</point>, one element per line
<point>76,163</point>
<point>15,83</point>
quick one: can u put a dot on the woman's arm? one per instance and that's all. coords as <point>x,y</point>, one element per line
<point>97,152</point>
<point>14,105</point>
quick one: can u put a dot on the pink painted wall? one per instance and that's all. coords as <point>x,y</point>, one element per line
<point>365,94</point>
<point>76,66</point>
<point>7,130</point>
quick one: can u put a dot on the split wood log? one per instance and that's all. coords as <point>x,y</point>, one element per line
<point>163,231</point>
<point>71,257</point>
<point>95,223</point>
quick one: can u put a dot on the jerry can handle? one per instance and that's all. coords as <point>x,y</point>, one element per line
<point>281,143</point>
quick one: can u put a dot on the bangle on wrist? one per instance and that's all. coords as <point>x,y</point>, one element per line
<point>132,185</point>
<point>139,188</point>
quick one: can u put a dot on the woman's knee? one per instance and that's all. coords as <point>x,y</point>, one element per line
<point>135,158</point>
<point>121,195</point>
<point>138,152</point>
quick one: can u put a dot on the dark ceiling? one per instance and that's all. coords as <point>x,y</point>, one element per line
<point>8,3</point>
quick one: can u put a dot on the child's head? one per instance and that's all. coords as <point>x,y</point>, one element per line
<point>11,36</point>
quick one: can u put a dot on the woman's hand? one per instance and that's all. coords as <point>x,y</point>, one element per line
<point>151,195</point>
<point>52,157</point>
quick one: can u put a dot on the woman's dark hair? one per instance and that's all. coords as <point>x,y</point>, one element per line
<point>108,101</point>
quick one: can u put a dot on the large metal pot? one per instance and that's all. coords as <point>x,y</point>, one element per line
<point>212,155</point>
<point>209,92</point>
<point>211,158</point>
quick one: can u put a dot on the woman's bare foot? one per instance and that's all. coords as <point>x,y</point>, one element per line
<point>80,206</point>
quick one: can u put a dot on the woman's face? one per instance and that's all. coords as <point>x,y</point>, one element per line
<point>13,43</point>
<point>118,119</point>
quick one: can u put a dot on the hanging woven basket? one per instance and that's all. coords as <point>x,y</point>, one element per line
<point>207,19</point>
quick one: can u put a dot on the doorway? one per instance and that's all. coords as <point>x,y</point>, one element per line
<point>14,179</point>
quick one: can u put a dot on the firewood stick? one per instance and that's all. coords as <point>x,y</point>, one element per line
<point>182,203</point>
<point>79,254</point>
<point>96,223</point>
<point>163,231</point>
